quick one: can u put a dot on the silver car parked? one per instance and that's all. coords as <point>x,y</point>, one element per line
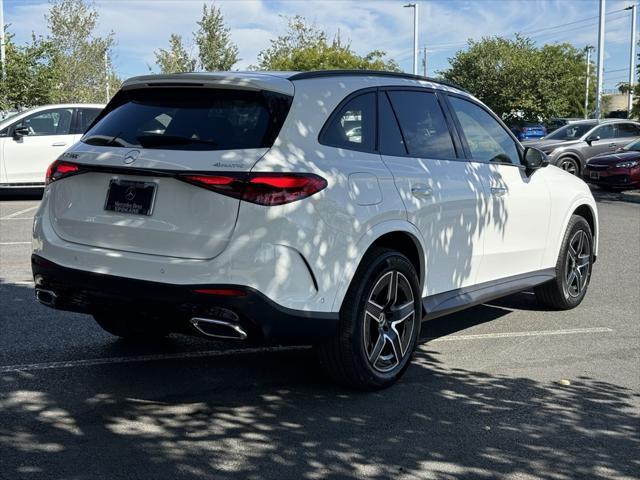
<point>571,146</point>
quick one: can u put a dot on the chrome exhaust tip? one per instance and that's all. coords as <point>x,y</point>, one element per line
<point>46,297</point>
<point>219,328</point>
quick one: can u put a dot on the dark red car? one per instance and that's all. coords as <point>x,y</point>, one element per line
<point>616,170</point>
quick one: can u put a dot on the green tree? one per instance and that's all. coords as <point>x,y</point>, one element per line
<point>30,77</point>
<point>305,47</point>
<point>216,51</point>
<point>175,59</point>
<point>79,53</point>
<point>515,78</point>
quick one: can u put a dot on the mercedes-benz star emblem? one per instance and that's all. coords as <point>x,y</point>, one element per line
<point>130,193</point>
<point>131,156</point>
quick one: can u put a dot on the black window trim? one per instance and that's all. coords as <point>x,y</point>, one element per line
<point>463,138</point>
<point>395,117</point>
<point>336,112</point>
<point>449,119</point>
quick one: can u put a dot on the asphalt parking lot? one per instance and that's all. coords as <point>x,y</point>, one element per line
<point>503,390</point>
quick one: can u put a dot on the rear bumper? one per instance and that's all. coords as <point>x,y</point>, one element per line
<point>175,305</point>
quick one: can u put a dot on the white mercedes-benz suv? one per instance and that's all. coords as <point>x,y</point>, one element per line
<point>333,208</point>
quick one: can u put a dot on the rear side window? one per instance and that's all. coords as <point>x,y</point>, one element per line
<point>85,118</point>
<point>190,119</point>
<point>627,130</point>
<point>424,128</point>
<point>487,140</point>
<point>353,126</point>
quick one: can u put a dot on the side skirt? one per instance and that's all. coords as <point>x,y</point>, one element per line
<point>452,301</point>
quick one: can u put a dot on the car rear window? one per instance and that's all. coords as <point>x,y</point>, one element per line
<point>190,119</point>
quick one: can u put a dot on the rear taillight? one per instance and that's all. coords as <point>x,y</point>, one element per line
<point>60,169</point>
<point>261,188</point>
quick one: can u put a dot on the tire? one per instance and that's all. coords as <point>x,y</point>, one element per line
<point>570,164</point>
<point>573,268</point>
<point>374,345</point>
<point>131,326</point>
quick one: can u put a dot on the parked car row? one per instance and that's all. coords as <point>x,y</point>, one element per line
<point>571,146</point>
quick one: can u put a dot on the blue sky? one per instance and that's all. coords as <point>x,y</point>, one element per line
<point>141,26</point>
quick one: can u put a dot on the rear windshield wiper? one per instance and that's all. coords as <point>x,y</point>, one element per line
<point>169,140</point>
<point>105,141</point>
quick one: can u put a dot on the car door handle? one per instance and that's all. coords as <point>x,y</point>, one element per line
<point>421,191</point>
<point>59,144</point>
<point>498,191</point>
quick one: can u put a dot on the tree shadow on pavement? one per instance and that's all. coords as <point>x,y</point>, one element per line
<point>272,415</point>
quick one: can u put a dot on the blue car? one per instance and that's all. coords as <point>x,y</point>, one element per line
<point>529,131</point>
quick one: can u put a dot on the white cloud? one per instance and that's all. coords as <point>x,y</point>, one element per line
<point>142,26</point>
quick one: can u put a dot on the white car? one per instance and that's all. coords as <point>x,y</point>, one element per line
<point>32,139</point>
<point>236,205</point>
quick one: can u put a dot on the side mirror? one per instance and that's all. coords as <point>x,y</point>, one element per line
<point>533,159</point>
<point>20,132</point>
<point>593,138</point>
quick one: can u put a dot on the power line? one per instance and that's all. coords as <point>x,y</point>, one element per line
<point>443,46</point>
<point>617,70</point>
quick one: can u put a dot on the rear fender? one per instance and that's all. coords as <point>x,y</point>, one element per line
<point>363,245</point>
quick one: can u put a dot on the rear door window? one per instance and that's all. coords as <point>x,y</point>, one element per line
<point>190,119</point>
<point>424,128</point>
<point>84,118</point>
<point>353,126</point>
<point>625,130</point>
<point>487,140</point>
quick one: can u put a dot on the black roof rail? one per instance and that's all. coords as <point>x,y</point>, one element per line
<point>379,73</point>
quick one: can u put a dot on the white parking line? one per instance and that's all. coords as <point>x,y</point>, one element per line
<point>535,333</point>
<point>15,243</point>
<point>17,214</point>
<point>142,358</point>
<point>28,367</point>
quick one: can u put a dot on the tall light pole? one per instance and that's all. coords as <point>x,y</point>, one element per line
<point>415,35</point>
<point>632,59</point>
<point>600,60</point>
<point>588,48</point>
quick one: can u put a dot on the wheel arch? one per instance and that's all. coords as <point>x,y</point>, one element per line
<point>585,211</point>
<point>398,235</point>
<point>586,208</point>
